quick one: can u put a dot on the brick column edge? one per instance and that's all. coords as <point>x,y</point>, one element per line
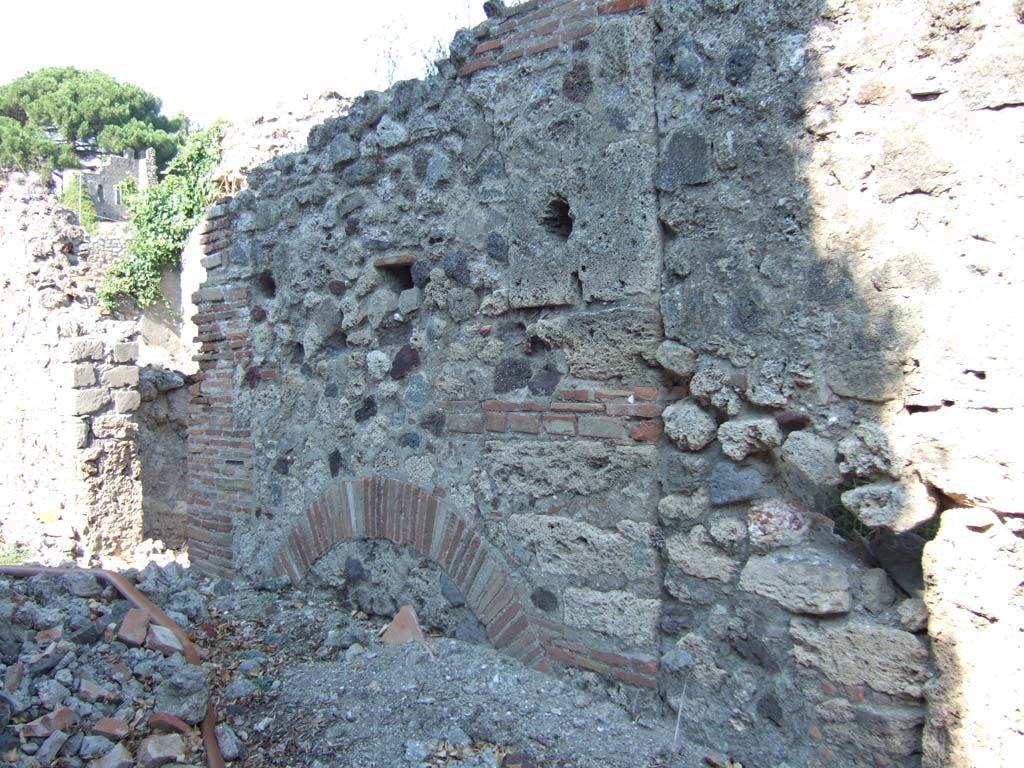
<point>220,450</point>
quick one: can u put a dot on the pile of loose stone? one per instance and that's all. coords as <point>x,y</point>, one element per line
<point>89,680</point>
<point>307,682</point>
<point>297,678</point>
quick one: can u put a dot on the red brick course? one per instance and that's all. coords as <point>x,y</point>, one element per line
<point>621,6</point>
<point>220,459</point>
<point>622,415</point>
<point>534,28</point>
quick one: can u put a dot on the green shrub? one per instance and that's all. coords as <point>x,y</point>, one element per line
<point>162,216</point>
<point>76,198</point>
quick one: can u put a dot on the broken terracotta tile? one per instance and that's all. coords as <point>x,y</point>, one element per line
<point>164,722</point>
<point>403,628</point>
<point>134,628</point>
<point>46,635</point>
<point>120,672</point>
<point>91,691</point>
<point>58,720</point>
<point>111,727</point>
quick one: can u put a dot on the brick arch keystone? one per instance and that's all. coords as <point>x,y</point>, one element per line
<point>377,508</point>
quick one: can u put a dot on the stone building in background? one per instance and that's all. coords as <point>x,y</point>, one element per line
<point>104,174</point>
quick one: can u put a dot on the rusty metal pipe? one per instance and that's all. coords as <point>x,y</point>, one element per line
<point>214,759</point>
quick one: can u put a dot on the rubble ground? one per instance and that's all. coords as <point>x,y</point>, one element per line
<point>298,679</point>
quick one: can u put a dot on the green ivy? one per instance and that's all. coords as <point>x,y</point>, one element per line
<point>75,197</point>
<point>161,218</point>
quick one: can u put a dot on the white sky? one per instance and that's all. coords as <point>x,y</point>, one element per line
<point>232,58</point>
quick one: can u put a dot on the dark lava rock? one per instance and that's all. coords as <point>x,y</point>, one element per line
<point>367,410</point>
<point>433,423</point>
<point>462,47</point>
<point>740,65</point>
<point>577,84</point>
<point>409,440</point>
<point>456,267</point>
<point>544,382</point>
<point>755,650</point>
<point>544,599</point>
<point>342,149</point>
<point>685,162</point>
<point>792,420</point>
<point>497,247</point>
<point>10,645</point>
<point>334,462</point>
<point>406,359</point>
<point>769,708</point>
<point>731,484</point>
<point>900,555</point>
<point>354,570</point>
<point>511,373</point>
<point>451,592</point>
<point>360,172</point>
<point>676,619</point>
<point>421,272</point>
<point>92,632</point>
<point>184,694</point>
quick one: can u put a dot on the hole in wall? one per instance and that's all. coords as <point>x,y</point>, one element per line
<point>398,277</point>
<point>334,462</point>
<point>544,599</point>
<point>557,218</point>
<point>336,342</point>
<point>513,330</point>
<point>298,354</point>
<point>577,282</point>
<point>266,284</point>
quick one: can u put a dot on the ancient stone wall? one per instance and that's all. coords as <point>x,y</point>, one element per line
<point>70,458</point>
<point>665,330</point>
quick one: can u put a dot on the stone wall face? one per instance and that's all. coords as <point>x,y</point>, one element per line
<point>70,457</point>
<point>619,320</point>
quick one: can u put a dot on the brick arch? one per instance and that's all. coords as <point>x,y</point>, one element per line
<point>377,508</point>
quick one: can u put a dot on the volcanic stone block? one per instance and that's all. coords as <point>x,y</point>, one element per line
<point>583,467</point>
<point>621,615</point>
<point>685,161</point>
<point>801,583</point>
<point>888,660</point>
<point>607,344</point>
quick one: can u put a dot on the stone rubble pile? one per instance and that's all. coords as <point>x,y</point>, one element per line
<point>296,677</point>
<point>89,680</point>
<point>305,680</point>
